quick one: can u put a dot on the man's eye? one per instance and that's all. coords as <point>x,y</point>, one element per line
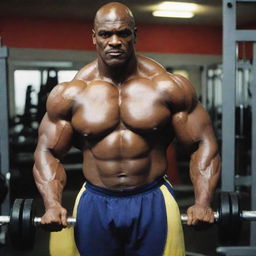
<point>104,34</point>
<point>124,33</point>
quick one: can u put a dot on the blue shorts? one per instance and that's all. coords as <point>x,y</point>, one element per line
<point>143,221</point>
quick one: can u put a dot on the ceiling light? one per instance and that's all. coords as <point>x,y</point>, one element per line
<point>177,6</point>
<point>173,14</point>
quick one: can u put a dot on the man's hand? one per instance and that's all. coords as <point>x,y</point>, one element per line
<point>54,219</point>
<point>198,213</point>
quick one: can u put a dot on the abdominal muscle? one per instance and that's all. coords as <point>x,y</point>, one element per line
<point>124,160</point>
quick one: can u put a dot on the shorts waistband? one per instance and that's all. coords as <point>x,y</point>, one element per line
<point>125,192</point>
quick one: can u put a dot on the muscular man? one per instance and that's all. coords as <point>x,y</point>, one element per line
<point>122,111</point>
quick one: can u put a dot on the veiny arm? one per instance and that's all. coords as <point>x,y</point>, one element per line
<point>55,134</point>
<point>193,128</point>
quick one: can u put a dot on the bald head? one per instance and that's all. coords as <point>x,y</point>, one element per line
<point>113,12</point>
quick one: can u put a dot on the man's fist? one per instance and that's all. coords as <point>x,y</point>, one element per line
<point>198,213</point>
<point>55,218</point>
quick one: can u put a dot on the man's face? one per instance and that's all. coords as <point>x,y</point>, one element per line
<point>114,41</point>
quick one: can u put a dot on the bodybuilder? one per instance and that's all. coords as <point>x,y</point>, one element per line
<point>122,111</point>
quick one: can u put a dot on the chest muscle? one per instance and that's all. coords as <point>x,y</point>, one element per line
<point>103,107</point>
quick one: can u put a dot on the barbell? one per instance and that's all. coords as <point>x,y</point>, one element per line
<point>22,222</point>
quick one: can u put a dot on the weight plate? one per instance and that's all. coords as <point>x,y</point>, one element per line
<point>236,223</point>
<point>28,227</point>
<point>15,227</point>
<point>224,221</point>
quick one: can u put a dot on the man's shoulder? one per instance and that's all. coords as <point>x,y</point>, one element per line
<point>182,93</point>
<point>149,67</point>
<point>177,90</point>
<point>88,72</point>
<point>62,97</point>
<point>157,72</point>
<point>68,90</point>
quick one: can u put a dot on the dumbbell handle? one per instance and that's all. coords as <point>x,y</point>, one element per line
<point>4,220</point>
<point>184,217</point>
<point>245,215</point>
<point>70,220</point>
<point>248,215</point>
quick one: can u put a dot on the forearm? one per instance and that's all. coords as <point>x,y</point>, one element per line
<point>50,177</point>
<point>204,172</point>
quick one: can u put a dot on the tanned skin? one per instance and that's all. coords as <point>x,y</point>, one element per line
<point>122,111</point>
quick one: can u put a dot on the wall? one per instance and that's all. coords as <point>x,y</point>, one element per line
<point>76,35</point>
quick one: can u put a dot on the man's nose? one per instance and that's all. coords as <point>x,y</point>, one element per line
<point>114,41</point>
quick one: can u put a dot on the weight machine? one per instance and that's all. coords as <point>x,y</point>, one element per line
<point>231,36</point>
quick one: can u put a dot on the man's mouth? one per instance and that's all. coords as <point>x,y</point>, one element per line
<point>115,53</point>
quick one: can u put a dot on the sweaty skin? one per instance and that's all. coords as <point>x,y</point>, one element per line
<point>122,111</point>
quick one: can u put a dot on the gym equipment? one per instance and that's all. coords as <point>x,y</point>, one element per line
<point>23,223</point>
<point>225,219</point>
<point>236,251</point>
<point>232,36</point>
<point>52,80</point>
<point>15,223</point>
<point>3,188</point>
<point>4,128</point>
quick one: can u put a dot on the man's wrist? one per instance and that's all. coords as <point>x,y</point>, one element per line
<point>203,202</point>
<point>52,204</point>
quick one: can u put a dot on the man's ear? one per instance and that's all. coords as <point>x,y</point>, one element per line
<point>135,34</point>
<point>93,37</point>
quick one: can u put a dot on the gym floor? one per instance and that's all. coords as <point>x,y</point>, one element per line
<point>201,243</point>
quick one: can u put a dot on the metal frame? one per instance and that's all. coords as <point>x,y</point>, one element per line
<point>253,154</point>
<point>228,94</point>
<point>4,134</point>
<point>231,36</point>
<point>237,251</point>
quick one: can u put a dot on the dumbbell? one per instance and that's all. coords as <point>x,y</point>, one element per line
<point>22,222</point>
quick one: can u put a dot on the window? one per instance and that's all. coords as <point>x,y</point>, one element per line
<point>29,82</point>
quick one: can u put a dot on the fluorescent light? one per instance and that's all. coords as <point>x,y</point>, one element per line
<point>177,6</point>
<point>173,14</point>
<point>175,9</point>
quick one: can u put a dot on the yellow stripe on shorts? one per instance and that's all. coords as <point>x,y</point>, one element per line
<point>174,245</point>
<point>63,243</point>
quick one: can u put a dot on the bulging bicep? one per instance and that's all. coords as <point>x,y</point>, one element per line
<point>55,136</point>
<point>193,126</point>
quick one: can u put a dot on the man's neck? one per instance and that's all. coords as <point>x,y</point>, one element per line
<point>118,74</point>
